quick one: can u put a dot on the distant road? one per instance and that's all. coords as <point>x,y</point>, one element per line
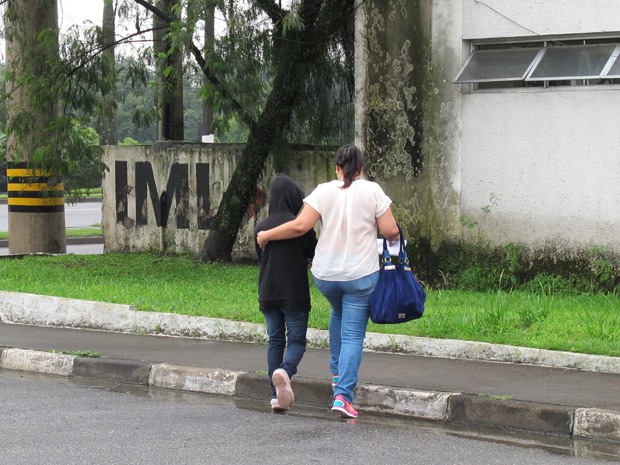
<point>77,215</point>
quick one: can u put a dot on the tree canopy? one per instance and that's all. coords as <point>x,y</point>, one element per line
<point>283,73</point>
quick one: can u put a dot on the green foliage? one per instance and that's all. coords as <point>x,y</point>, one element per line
<point>136,113</point>
<point>129,141</point>
<point>482,266</point>
<point>511,264</point>
<point>547,283</point>
<point>79,353</point>
<point>470,222</point>
<point>54,73</point>
<point>84,165</point>
<point>70,232</point>
<point>601,268</point>
<point>292,22</point>
<point>234,131</point>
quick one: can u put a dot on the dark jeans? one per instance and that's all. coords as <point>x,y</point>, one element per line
<point>286,330</point>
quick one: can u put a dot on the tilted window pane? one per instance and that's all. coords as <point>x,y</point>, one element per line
<point>572,62</point>
<point>497,65</point>
<point>614,71</point>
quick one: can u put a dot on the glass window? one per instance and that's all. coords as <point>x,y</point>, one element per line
<point>571,62</point>
<point>613,65</point>
<point>497,65</point>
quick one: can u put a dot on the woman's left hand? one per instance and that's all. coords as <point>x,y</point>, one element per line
<point>261,239</point>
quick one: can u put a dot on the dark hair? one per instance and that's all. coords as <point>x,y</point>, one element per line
<point>351,160</point>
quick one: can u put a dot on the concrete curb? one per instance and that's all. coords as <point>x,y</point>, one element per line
<point>407,403</point>
<point>31,309</point>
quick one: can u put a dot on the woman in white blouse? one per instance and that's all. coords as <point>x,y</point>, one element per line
<point>346,264</point>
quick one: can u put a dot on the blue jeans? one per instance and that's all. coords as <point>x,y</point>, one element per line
<point>347,327</point>
<point>283,326</point>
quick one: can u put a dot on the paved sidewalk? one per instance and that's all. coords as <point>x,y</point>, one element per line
<point>469,383</point>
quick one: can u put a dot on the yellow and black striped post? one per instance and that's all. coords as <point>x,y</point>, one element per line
<point>36,207</point>
<point>33,190</point>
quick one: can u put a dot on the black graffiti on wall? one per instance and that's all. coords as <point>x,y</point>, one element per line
<point>176,194</point>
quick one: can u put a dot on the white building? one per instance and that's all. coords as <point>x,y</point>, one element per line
<point>500,116</point>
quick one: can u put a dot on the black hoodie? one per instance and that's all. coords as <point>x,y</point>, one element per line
<point>283,278</point>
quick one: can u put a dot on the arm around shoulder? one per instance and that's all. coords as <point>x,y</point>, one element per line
<point>304,222</point>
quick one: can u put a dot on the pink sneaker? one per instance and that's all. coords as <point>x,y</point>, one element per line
<point>284,392</point>
<point>343,407</point>
<point>335,380</point>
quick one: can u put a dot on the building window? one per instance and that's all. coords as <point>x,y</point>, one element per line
<point>542,64</point>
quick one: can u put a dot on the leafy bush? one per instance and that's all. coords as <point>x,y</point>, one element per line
<point>81,159</point>
<point>484,267</point>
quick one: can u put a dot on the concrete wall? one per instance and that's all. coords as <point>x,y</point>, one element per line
<point>551,161</point>
<point>542,162</point>
<point>510,18</point>
<point>194,178</point>
<point>535,166</point>
<point>393,104</point>
<point>548,156</point>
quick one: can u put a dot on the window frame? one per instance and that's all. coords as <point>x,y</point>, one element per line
<point>547,51</point>
<point>528,81</point>
<point>477,52</point>
<point>613,59</point>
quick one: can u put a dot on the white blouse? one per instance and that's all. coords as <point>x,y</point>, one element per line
<point>347,247</point>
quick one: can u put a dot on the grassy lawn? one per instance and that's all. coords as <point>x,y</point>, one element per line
<point>71,232</point>
<point>577,323</point>
<point>83,193</point>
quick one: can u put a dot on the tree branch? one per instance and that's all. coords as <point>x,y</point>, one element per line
<point>272,9</point>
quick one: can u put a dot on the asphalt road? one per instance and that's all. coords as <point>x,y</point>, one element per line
<point>53,420</point>
<point>77,215</point>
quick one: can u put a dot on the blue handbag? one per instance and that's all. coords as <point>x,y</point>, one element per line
<point>398,297</point>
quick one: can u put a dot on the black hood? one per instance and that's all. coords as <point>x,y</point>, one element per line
<point>285,196</point>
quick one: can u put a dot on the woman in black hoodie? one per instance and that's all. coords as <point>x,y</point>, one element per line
<point>283,290</point>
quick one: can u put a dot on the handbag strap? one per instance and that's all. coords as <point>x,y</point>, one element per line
<point>386,260</point>
<point>403,259</point>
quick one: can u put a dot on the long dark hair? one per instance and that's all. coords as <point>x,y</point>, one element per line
<point>351,160</point>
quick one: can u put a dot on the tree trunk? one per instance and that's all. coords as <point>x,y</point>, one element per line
<point>274,118</point>
<point>242,187</point>
<point>207,106</point>
<point>107,119</point>
<point>169,58</point>
<point>294,56</point>
<point>36,203</point>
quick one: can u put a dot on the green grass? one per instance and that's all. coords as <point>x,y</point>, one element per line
<point>71,232</point>
<point>82,193</point>
<point>577,323</point>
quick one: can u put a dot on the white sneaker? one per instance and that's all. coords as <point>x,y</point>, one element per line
<point>284,392</point>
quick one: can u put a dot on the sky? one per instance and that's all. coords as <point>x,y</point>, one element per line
<point>72,12</point>
<point>77,11</point>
